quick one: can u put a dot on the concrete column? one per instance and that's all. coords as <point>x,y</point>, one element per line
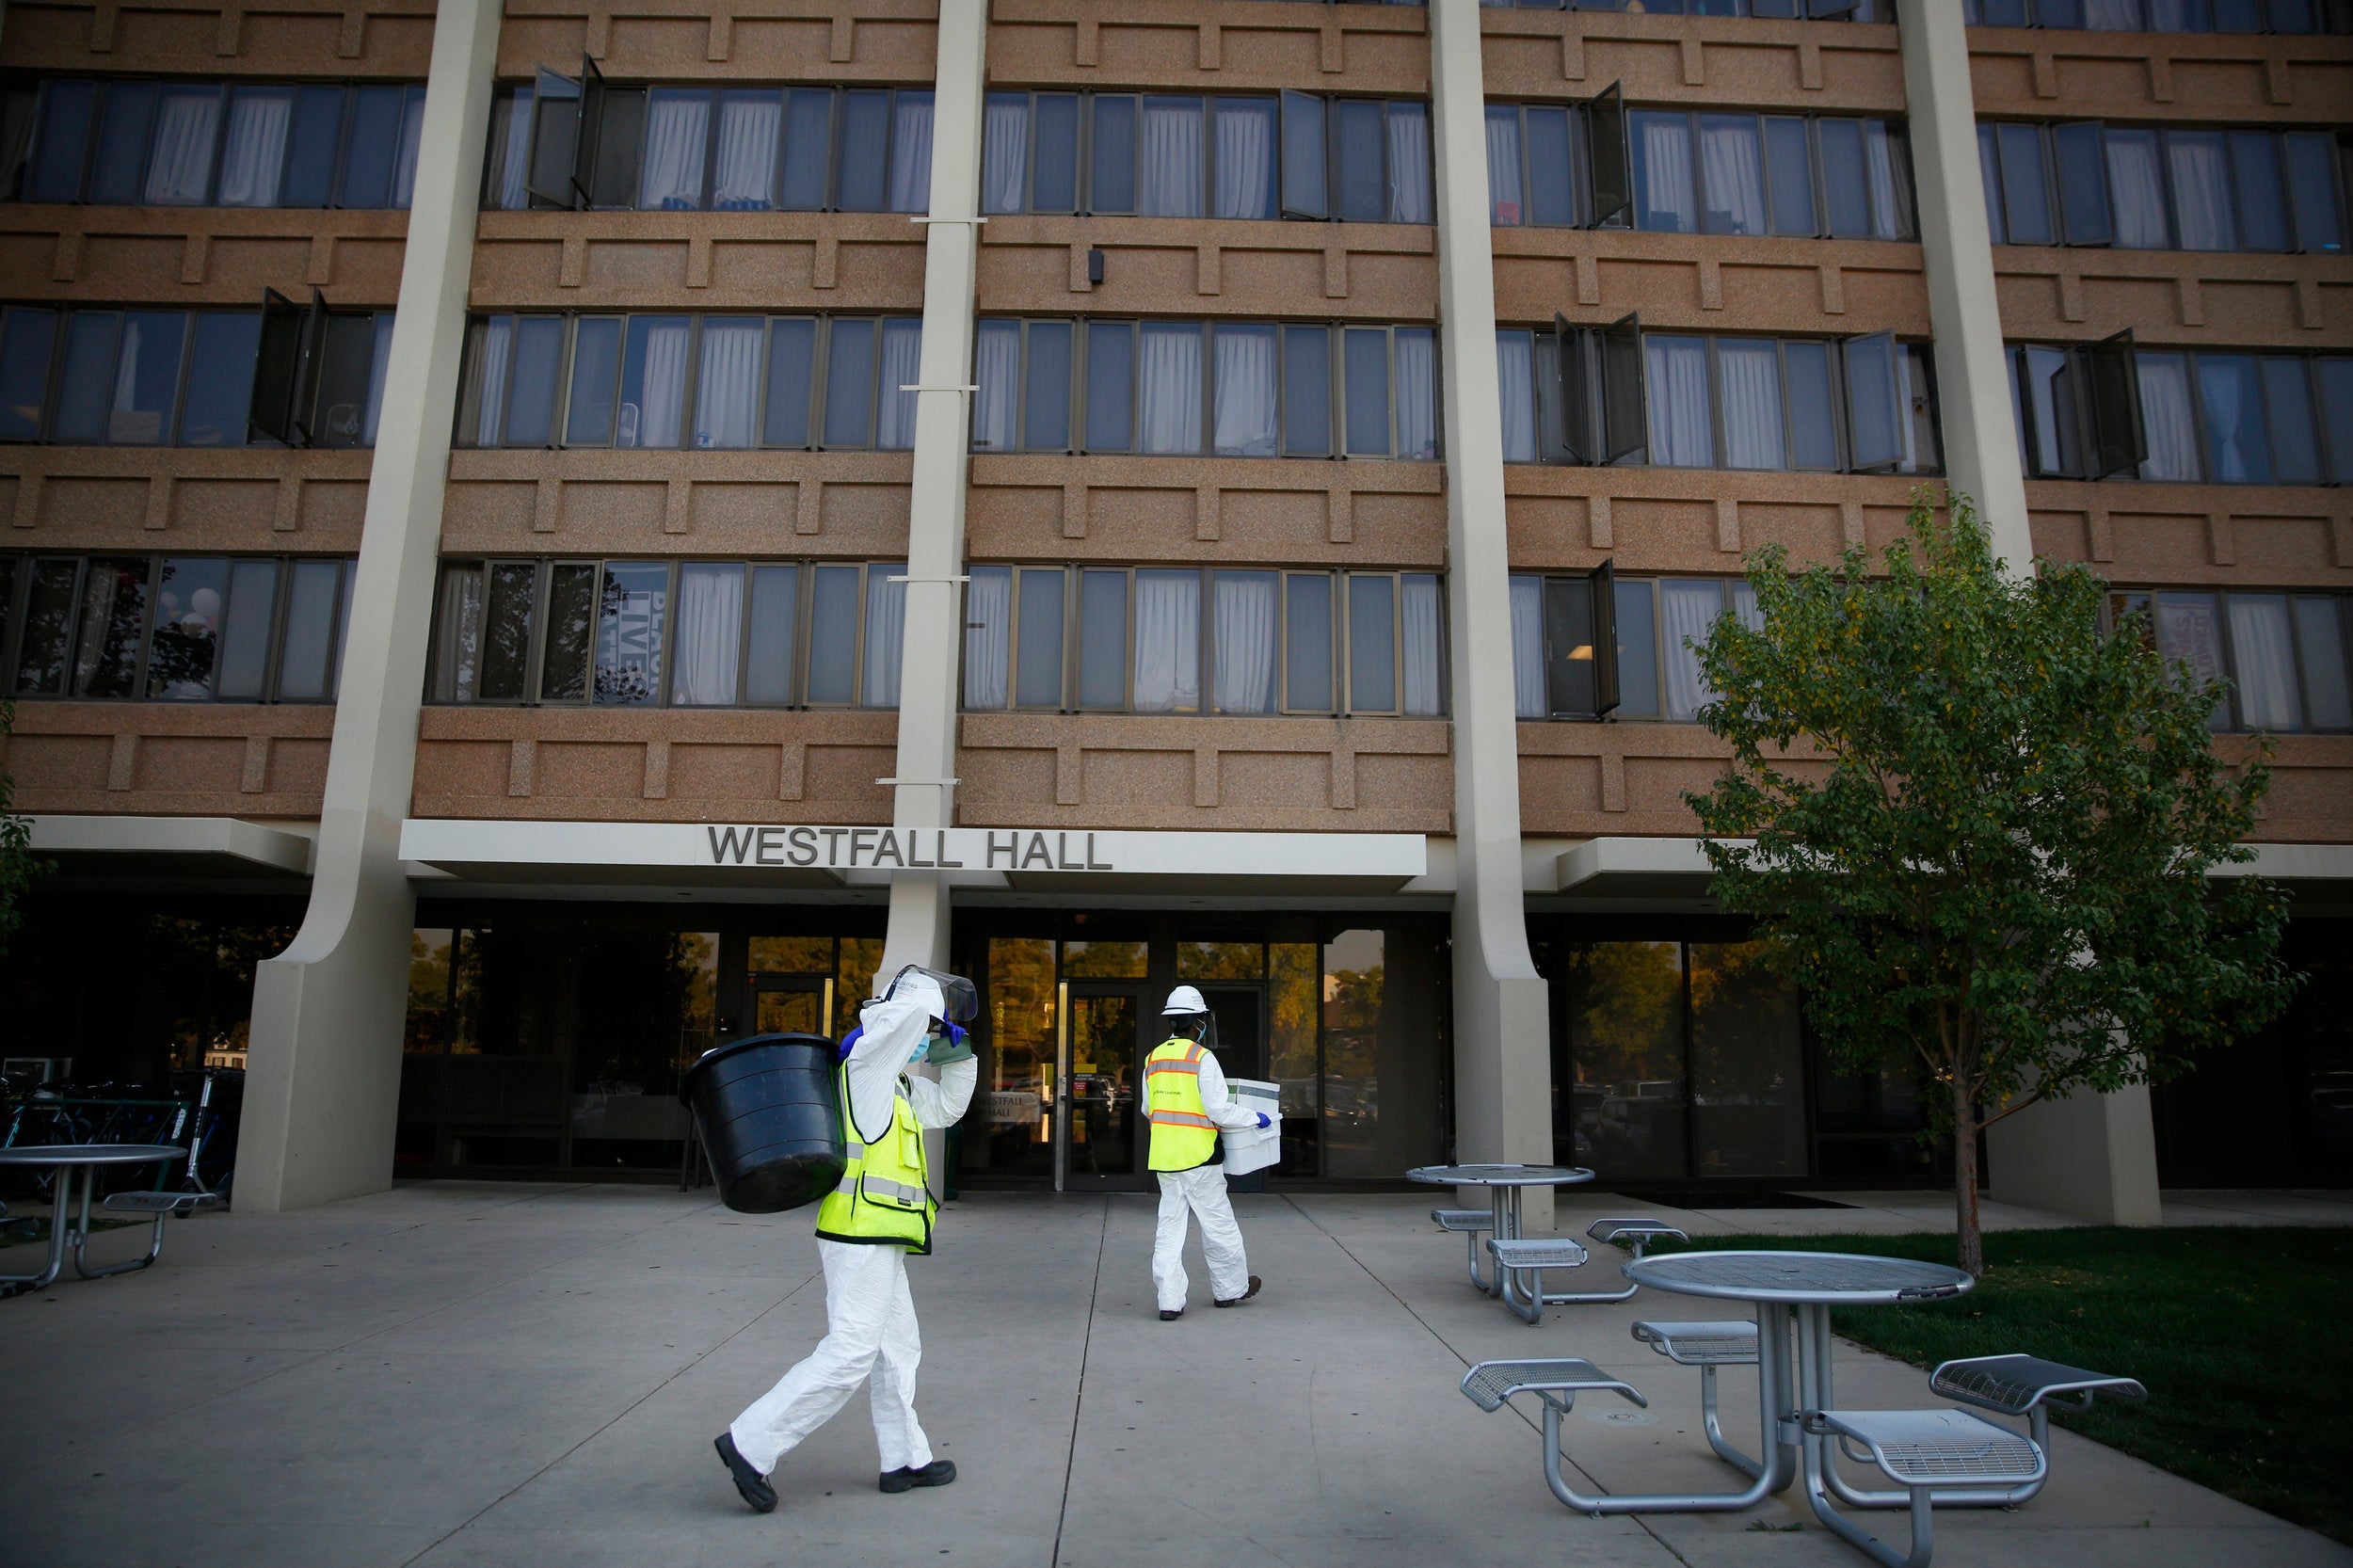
<point>1502,1053</point>
<point>1972,373</point>
<point>924,788</point>
<point>2093,1157</point>
<point>324,1086</point>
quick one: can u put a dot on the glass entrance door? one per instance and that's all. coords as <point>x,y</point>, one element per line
<point>1099,1135</point>
<point>790,1004</point>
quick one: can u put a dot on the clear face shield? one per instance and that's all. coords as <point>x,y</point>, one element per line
<point>1200,1027</point>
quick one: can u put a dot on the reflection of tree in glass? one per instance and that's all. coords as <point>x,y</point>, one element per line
<point>428,990</point>
<point>625,653</point>
<point>180,649</point>
<point>1220,961</point>
<point>1626,1012</point>
<point>1104,961</point>
<point>853,979</point>
<point>637,1008</point>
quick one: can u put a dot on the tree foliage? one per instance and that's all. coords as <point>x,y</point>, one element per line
<point>1984,828</point>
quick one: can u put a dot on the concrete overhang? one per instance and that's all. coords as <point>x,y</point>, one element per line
<point>171,849</point>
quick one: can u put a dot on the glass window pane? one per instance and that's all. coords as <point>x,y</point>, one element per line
<point>374,147</point>
<point>1682,431</point>
<point>863,178</point>
<point>2236,450</point>
<point>2051,412</point>
<point>1874,417</point>
<point>2083,185</point>
<point>2202,189</point>
<point>1638,651</point>
<point>26,340</point>
<point>1515,390</point>
<point>505,633</point>
<point>1114,160</point>
<point>147,378</point>
<point>768,655</point>
<point>1748,1064</point>
<point>1551,168</point>
<point>2167,418</point>
<point>126,125</point>
<point>1922,453</point>
<point>49,605</point>
<point>1663,197</point>
<point>458,633</point>
<point>1244,612</point>
<point>1103,639</point>
<point>1054,170</point>
<point>1751,375</point>
<point>1245,157</point>
<point>1507,202</point>
<point>61,141</point>
<point>1888,161</point>
<point>677,132</point>
<point>1845,182</point>
<point>901,368</point>
<point>86,388</point>
<point>2137,190</point>
<point>1306,391</point>
<point>1005,153</point>
<point>632,620</point>
<point>1038,681</point>
<point>531,400</point>
<point>808,148</point>
<point>1626,1052</point>
<point>1409,163</point>
<point>2263,657</point>
<point>1307,642</point>
<point>1687,613</point>
<point>1568,645</point>
<point>1367,378</point>
<point>253,159</point>
<point>1732,168</point>
<point>653,382</point>
<point>1813,434</point>
<point>1111,385</point>
<point>180,168</point>
<point>2288,410</point>
<point>2026,189</point>
<point>2320,646</point>
<point>1371,643</point>
<point>2311,158</point>
<point>743,168</point>
<point>507,182</point>
<point>1790,169</point>
<point>1424,653</point>
<point>1168,642</point>
<point>411,136</point>
<point>792,369</point>
<point>1305,192</point>
<point>726,386</point>
<point>833,634</point>
<point>988,637</point>
<point>596,378</point>
<point>1417,381</point>
<point>2336,407</point>
<point>1990,175</point>
<point>114,614</point>
<point>850,383</point>
<point>245,627</point>
<point>1169,371</point>
<point>2190,633</point>
<point>185,646</point>
<point>886,637</point>
<point>220,378</point>
<point>1527,646</point>
<point>704,654</point>
<point>1168,176</point>
<point>1045,395</point>
<point>997,372</point>
<point>2262,208</point>
<point>910,151</point>
<point>1356,133</point>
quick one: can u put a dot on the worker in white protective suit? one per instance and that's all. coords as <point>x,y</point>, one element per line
<point>1187,1101</point>
<point>881,1211</point>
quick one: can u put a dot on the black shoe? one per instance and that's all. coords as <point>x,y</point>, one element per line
<point>1168,1316</point>
<point>940,1472</point>
<point>755,1487</point>
<point>1245,1296</point>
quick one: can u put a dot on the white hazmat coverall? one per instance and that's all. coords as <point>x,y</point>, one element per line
<point>871,1334</point>
<point>1201,1193</point>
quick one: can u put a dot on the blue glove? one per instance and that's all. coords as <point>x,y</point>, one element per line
<point>1265,1120</point>
<point>857,1033</point>
<point>952,1047</point>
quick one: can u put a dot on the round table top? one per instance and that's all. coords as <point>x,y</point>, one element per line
<point>90,1154</point>
<point>1500,1175</point>
<point>1834,1278</point>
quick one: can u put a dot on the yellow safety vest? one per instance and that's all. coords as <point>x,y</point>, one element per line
<point>1182,1134</point>
<point>884,1196</point>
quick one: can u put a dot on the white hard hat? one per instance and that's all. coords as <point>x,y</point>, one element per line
<point>1184,999</point>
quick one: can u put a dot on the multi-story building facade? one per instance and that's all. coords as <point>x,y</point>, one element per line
<point>596,529</point>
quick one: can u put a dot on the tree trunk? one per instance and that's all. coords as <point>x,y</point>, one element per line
<point>1966,1229</point>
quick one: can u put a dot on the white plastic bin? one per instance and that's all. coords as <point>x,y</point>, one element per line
<point>1257,1148</point>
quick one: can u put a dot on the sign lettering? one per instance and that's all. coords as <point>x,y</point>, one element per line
<point>843,849</point>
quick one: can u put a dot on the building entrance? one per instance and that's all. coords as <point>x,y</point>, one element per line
<point>1100,1131</point>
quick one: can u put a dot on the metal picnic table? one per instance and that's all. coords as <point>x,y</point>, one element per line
<point>76,1165</point>
<point>1504,1184</point>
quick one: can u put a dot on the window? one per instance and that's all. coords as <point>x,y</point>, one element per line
<point>173,629</point>
<point>566,142</point>
<point>318,374</point>
<point>206,144</point>
<point>1226,389</point>
<point>2164,16</point>
<point>2087,182</point>
<point>707,382</point>
<point>1156,156</point>
<point>1274,642</point>
<point>1820,10</point>
<point>2285,654</point>
<point>668,633</point>
<point>1596,645</point>
<point>2112,409</point>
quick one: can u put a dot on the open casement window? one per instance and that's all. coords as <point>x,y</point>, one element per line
<point>2079,149</point>
<point>2119,443</point>
<point>566,115</point>
<point>1610,167</point>
<point>1581,644</point>
<point>286,368</point>
<point>1875,402</point>
<point>1572,391</point>
<point>1624,413</point>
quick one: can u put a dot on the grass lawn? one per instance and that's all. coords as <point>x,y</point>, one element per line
<point>2238,1332</point>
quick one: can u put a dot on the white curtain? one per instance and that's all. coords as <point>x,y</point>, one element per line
<point>988,637</point>
<point>1415,379</point>
<point>726,389</point>
<point>911,155</point>
<point>491,376</point>
<point>1744,607</point>
<point>901,367</point>
<point>2263,651</point>
<point>1425,641</point>
<point>513,167</point>
<point>1752,418</point>
<point>2235,429</point>
<point>2167,418</point>
<point>997,370</point>
<point>664,387</point>
<point>677,126</point>
<point>1516,388</point>
<point>2188,633</point>
<point>1891,183</point>
<point>1245,157</point>
<point>457,660</point>
<point>1686,610</point>
<point>709,622</point>
<point>1168,183</point>
<point>1735,171</point>
<point>1409,164</point>
<point>1680,432</point>
<point>1505,202</point>
<point>1168,414</point>
<point>2137,190</point>
<point>886,635</point>
<point>1527,648</point>
<point>744,177</point>
<point>1005,153</point>
<point>1666,162</point>
<point>1245,605</point>
<point>2202,189</point>
<point>185,124</point>
<point>1242,396</point>
<point>256,152</point>
<point>1168,642</point>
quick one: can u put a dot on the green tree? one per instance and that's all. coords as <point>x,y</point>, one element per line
<point>1983,829</point>
<point>19,866</point>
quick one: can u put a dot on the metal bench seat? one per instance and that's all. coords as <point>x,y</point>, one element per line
<point>1937,1456</point>
<point>1730,1342</point>
<point>2028,1385</point>
<point>1473,1222</point>
<point>1626,1231</point>
<point>1491,1384</point>
<point>160,1204</point>
<point>1521,1266</point>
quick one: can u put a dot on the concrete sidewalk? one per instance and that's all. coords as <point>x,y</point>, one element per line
<point>456,1373</point>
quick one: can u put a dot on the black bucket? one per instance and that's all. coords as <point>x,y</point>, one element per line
<point>770,1120</point>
